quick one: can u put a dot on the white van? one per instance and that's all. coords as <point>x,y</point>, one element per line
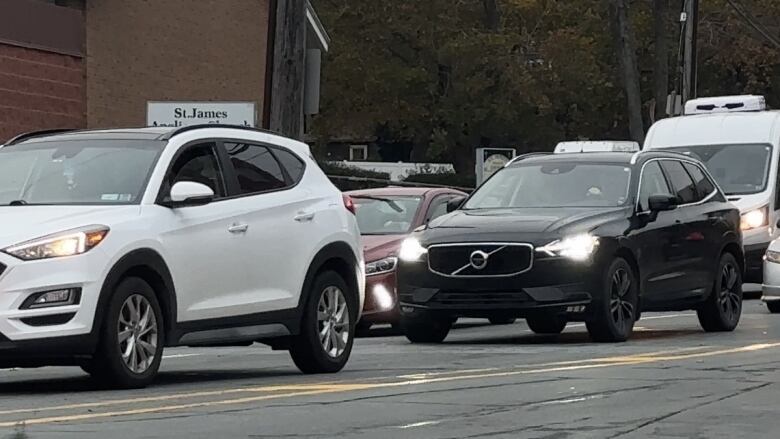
<point>738,140</point>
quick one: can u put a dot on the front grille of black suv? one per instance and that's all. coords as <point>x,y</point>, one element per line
<point>463,260</point>
<point>507,299</point>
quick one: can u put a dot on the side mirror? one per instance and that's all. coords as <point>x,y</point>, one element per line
<point>660,203</point>
<point>189,193</point>
<point>454,204</point>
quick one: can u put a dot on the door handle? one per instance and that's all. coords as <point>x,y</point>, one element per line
<point>303,217</point>
<point>238,228</point>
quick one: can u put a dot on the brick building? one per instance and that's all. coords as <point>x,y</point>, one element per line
<point>98,63</point>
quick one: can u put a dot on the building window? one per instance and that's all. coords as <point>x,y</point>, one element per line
<point>358,153</point>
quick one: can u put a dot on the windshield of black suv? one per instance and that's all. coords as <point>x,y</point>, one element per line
<point>554,184</point>
<point>76,172</point>
<point>740,169</point>
<point>385,215</point>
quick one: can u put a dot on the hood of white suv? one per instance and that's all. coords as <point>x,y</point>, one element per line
<point>23,223</point>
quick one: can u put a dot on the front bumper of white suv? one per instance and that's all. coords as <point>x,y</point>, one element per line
<point>49,331</point>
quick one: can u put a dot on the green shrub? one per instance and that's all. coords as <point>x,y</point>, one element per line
<point>443,179</point>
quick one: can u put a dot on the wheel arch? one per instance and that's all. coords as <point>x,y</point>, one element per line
<point>337,256</point>
<point>147,264</point>
<point>736,250</point>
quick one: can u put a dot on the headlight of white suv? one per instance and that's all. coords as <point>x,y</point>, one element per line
<point>381,266</point>
<point>411,250</point>
<point>578,247</point>
<point>69,243</point>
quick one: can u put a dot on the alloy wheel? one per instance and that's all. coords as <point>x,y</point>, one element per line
<point>620,306</point>
<point>333,321</point>
<point>137,333</point>
<point>728,296</point>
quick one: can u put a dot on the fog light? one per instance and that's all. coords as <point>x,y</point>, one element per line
<point>48,299</point>
<point>382,297</point>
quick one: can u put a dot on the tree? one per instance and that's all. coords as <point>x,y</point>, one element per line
<point>628,68</point>
<point>451,76</point>
<point>661,71</point>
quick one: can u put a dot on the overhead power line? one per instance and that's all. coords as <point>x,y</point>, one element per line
<point>742,12</point>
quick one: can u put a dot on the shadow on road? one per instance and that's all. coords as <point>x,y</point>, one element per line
<point>571,338</point>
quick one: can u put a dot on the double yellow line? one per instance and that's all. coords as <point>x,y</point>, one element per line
<point>247,395</point>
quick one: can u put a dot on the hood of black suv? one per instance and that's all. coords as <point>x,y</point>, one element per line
<point>537,226</point>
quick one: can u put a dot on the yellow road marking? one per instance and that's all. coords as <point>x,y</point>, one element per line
<point>319,389</point>
<point>295,387</point>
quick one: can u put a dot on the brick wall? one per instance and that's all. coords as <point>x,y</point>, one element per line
<point>39,90</point>
<point>178,50</point>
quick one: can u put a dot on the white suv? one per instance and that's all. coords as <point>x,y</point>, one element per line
<point>116,243</point>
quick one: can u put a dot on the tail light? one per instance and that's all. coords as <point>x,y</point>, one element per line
<point>349,203</point>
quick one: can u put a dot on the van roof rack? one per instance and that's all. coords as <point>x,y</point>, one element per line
<point>184,129</point>
<point>725,104</point>
<point>40,133</point>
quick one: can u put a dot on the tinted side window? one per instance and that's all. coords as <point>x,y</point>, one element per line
<point>704,186</point>
<point>199,164</point>
<point>292,164</point>
<point>653,183</point>
<point>682,185</point>
<point>256,168</point>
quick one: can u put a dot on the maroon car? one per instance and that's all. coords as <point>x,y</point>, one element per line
<point>385,216</point>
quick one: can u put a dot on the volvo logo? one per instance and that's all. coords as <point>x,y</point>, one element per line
<point>479,259</point>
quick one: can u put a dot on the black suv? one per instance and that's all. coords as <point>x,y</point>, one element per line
<point>594,237</point>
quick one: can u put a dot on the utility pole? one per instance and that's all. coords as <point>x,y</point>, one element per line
<point>690,74</point>
<point>289,68</point>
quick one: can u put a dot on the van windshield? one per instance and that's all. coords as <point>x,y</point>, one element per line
<point>739,169</point>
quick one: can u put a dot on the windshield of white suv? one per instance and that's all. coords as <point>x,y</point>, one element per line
<point>76,172</point>
<point>738,169</point>
<point>385,215</point>
<point>554,184</point>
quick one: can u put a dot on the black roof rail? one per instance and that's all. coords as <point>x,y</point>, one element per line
<point>33,134</point>
<point>527,155</point>
<point>184,129</point>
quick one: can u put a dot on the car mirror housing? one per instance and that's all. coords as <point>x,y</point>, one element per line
<point>660,203</point>
<point>189,193</point>
<point>454,204</point>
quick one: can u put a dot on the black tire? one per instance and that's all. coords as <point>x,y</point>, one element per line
<point>774,306</point>
<point>552,324</point>
<point>426,328</point>
<point>306,349</point>
<point>502,320</point>
<point>614,308</point>
<point>107,365</point>
<point>722,309</point>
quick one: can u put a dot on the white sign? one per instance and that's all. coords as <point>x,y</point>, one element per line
<point>179,114</point>
<point>490,160</point>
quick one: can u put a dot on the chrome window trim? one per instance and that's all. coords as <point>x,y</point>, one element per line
<point>637,207</point>
<point>482,276</point>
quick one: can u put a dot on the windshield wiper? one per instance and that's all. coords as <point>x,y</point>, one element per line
<point>390,202</point>
<point>18,203</point>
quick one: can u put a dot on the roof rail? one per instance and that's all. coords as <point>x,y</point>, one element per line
<point>667,152</point>
<point>525,156</point>
<point>40,133</point>
<point>184,129</point>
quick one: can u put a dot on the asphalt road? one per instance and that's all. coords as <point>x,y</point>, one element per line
<point>670,381</point>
